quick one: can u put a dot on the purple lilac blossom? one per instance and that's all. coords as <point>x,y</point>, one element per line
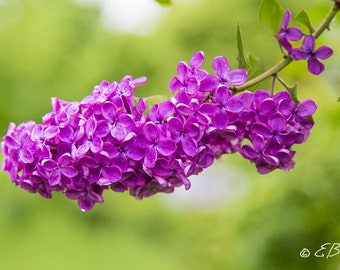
<point>312,55</point>
<point>307,51</point>
<point>287,34</point>
<point>108,142</point>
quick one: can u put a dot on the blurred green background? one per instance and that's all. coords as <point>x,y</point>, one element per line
<point>232,218</point>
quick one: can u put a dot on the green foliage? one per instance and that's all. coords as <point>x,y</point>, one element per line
<point>164,2</point>
<point>303,18</point>
<point>242,62</point>
<point>270,14</point>
<point>57,48</point>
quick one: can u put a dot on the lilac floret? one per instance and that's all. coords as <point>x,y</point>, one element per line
<point>312,55</point>
<point>287,34</point>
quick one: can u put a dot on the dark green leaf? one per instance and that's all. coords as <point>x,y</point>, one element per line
<point>293,93</point>
<point>303,18</point>
<point>291,89</point>
<point>339,99</point>
<point>242,63</point>
<point>164,2</point>
<point>270,14</point>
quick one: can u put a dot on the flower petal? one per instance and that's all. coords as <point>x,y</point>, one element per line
<point>109,111</point>
<point>249,152</point>
<point>315,66</point>
<point>103,128</point>
<point>234,104</point>
<point>308,43</point>
<point>237,77</point>
<point>49,164</point>
<point>82,150</point>
<point>222,95</point>
<point>55,177</point>
<point>151,131</point>
<point>25,155</point>
<point>66,134</point>
<point>323,52</point>
<point>183,109</point>
<point>266,106</point>
<point>205,159</point>
<point>306,108</point>
<point>259,142</point>
<point>96,145</point>
<point>221,67</point>
<point>189,146</point>
<point>221,119</point>
<point>261,129</point>
<point>125,120</point>
<point>150,157</point>
<point>90,126</point>
<point>11,142</point>
<point>277,122</point>
<point>182,71</point>
<point>298,54</point>
<point>175,125</point>
<point>287,16</point>
<point>165,109</point>
<point>111,173</point>
<point>294,33</point>
<point>85,203</point>
<point>208,108</point>
<point>166,147</point>
<point>69,171</point>
<point>51,132</point>
<point>209,84</point>
<point>285,43</point>
<point>197,60</point>
<point>118,132</point>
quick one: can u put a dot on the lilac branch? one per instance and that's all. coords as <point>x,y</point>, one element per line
<point>287,60</point>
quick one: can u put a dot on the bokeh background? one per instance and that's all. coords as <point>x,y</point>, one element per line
<point>232,218</point>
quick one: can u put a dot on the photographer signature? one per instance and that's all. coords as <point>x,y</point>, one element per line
<point>326,250</point>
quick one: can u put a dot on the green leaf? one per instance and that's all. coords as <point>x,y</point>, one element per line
<point>291,89</point>
<point>303,18</point>
<point>339,99</point>
<point>270,14</point>
<point>242,63</point>
<point>293,93</point>
<point>164,2</point>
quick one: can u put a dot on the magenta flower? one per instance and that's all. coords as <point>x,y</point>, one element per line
<point>235,77</point>
<point>312,55</point>
<point>226,104</point>
<point>185,134</point>
<point>189,77</point>
<point>20,149</point>
<point>286,33</point>
<point>258,154</point>
<point>151,141</point>
<point>60,169</point>
<point>108,141</point>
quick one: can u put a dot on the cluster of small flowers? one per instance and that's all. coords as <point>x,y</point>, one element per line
<point>108,141</point>
<point>307,51</point>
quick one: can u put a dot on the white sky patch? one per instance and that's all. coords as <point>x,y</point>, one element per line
<point>213,187</point>
<point>132,16</point>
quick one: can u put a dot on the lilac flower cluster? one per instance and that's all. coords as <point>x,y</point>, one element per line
<point>108,141</point>
<point>307,51</point>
